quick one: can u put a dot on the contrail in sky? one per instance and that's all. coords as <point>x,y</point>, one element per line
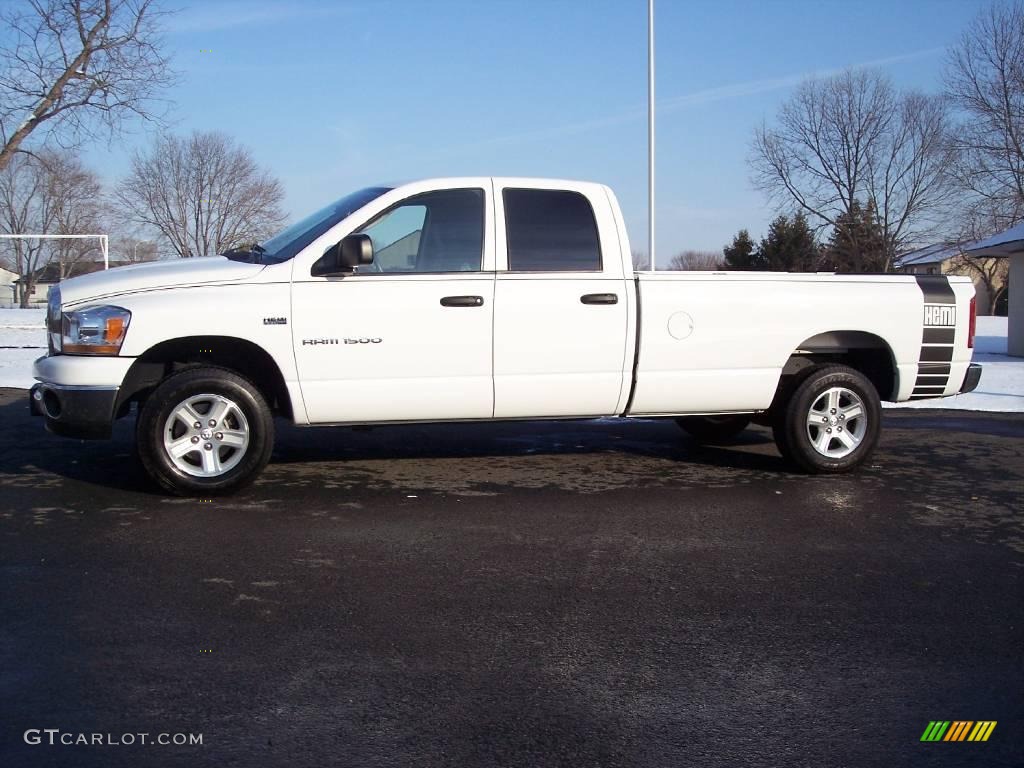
<point>705,96</point>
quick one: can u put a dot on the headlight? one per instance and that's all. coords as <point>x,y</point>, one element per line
<point>53,319</point>
<point>94,330</point>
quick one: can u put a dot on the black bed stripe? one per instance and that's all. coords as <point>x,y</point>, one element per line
<point>936,289</point>
<point>933,365</point>
<point>936,354</point>
<point>939,335</point>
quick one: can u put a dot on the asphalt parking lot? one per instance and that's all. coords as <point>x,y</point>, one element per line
<point>527,594</point>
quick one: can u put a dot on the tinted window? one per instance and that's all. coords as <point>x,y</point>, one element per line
<point>550,231</point>
<point>439,231</point>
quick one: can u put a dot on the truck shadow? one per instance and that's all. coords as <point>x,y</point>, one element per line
<point>31,456</point>
<point>656,439</point>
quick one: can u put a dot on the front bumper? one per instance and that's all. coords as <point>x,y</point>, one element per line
<point>70,411</point>
<point>971,378</point>
<point>77,395</point>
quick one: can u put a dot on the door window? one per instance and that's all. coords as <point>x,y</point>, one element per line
<point>550,230</point>
<point>439,231</point>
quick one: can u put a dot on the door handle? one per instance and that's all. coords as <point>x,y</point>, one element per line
<point>600,298</point>
<point>462,301</point>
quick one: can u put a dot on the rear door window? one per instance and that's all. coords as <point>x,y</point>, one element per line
<point>550,230</point>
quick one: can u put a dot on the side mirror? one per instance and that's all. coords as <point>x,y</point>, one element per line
<point>353,251</point>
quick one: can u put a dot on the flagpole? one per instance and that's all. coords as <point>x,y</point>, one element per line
<point>650,133</point>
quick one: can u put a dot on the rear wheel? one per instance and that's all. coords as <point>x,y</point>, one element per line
<point>714,429</point>
<point>831,422</point>
<point>205,431</point>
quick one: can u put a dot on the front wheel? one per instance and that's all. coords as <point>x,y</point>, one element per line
<point>831,422</point>
<point>204,431</point>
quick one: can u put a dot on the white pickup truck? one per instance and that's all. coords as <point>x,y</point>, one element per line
<point>479,299</point>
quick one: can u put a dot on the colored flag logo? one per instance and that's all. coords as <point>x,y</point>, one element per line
<point>958,730</point>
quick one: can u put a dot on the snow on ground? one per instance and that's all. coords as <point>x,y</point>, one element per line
<point>21,319</point>
<point>1002,377</point>
<point>23,339</point>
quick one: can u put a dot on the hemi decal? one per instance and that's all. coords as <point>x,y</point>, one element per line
<point>942,315</point>
<point>937,335</point>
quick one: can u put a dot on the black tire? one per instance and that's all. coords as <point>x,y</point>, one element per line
<point>777,411</point>
<point>793,434</point>
<point>713,429</point>
<point>258,426</point>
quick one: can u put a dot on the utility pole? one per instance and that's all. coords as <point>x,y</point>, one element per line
<point>650,132</point>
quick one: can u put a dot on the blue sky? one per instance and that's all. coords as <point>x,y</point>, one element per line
<point>331,96</point>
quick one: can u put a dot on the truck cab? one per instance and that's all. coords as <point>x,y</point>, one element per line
<point>485,299</point>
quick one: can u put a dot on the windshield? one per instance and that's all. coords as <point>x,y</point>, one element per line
<point>285,244</point>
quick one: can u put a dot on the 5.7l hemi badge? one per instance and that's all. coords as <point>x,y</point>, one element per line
<point>940,315</point>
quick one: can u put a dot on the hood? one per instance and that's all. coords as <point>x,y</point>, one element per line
<point>156,274</point>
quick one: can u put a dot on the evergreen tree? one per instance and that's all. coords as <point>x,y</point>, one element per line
<point>857,243</point>
<point>790,246</point>
<point>742,253</point>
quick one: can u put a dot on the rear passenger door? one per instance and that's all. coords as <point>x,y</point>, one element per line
<point>560,307</point>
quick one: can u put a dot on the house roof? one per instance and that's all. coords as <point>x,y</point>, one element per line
<point>50,273</point>
<point>930,254</point>
<point>1004,244</point>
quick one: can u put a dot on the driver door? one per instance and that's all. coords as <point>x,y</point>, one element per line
<point>408,337</point>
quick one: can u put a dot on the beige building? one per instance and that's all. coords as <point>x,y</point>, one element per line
<point>988,273</point>
<point>7,280</point>
<point>1009,246</point>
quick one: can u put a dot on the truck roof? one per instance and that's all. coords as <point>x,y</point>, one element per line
<point>526,181</point>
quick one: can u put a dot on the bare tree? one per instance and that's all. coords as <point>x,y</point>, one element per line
<point>79,207</point>
<point>976,218</point>
<point>695,260</point>
<point>53,194</point>
<point>985,79</point>
<point>640,261</point>
<point>25,207</point>
<point>72,69</point>
<point>853,139</point>
<point>135,249</point>
<point>993,273</point>
<point>204,194</point>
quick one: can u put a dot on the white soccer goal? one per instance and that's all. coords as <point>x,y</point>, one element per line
<point>104,242</point>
